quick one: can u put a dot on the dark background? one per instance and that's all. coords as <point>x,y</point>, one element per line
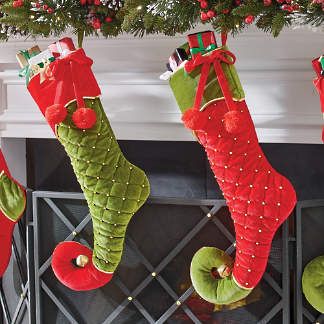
<point>177,169</point>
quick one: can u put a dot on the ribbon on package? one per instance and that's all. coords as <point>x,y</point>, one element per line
<point>26,71</point>
<point>202,49</point>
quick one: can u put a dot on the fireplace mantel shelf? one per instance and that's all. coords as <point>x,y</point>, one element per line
<point>276,75</point>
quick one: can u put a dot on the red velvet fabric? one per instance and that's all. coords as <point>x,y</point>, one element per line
<point>258,197</point>
<point>319,85</point>
<point>72,276</point>
<point>6,228</point>
<point>70,78</point>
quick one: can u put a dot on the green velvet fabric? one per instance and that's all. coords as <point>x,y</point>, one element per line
<point>184,85</point>
<point>12,198</point>
<point>221,291</point>
<point>313,283</point>
<point>113,187</point>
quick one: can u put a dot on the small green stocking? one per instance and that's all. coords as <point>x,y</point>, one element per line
<point>113,187</point>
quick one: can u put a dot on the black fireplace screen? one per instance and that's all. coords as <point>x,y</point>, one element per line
<point>152,284</point>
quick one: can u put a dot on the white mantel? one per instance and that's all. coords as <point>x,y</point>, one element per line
<point>276,75</point>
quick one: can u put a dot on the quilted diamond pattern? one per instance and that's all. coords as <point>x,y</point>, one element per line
<point>259,198</point>
<point>113,187</point>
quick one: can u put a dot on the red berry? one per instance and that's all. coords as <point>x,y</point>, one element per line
<point>97,2</point>
<point>267,3</point>
<point>288,1</point>
<point>108,19</point>
<point>84,118</point>
<point>203,4</point>
<point>203,16</point>
<point>96,24</point>
<point>280,1</point>
<point>296,7</point>
<point>287,7</point>
<point>18,3</point>
<point>249,19</point>
<point>45,7</point>
<point>50,10</point>
<point>83,2</point>
<point>237,2</point>
<point>226,11</point>
<point>210,14</point>
<point>37,5</point>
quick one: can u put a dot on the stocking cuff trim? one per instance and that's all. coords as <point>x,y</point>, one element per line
<point>108,272</point>
<point>218,99</point>
<point>239,285</point>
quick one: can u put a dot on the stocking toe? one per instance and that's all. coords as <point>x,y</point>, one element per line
<point>211,277</point>
<point>72,265</point>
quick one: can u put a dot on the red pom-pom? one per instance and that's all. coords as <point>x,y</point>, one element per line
<point>193,119</point>
<point>232,121</point>
<point>84,118</point>
<point>55,114</point>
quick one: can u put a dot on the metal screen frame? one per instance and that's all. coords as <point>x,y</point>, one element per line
<point>154,272</point>
<point>300,310</point>
<point>27,298</point>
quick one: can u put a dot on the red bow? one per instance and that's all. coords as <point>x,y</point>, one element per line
<point>78,57</point>
<point>215,58</point>
<point>71,63</point>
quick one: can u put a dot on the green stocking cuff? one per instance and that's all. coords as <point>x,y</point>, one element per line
<point>184,85</point>
<point>313,283</point>
<point>12,198</point>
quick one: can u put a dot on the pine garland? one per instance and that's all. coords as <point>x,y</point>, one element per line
<point>139,17</point>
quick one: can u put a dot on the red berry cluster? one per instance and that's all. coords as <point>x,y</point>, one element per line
<point>206,13</point>
<point>94,20</point>
<point>42,7</point>
<point>288,5</point>
<point>18,3</point>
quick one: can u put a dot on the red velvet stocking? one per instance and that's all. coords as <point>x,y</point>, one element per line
<point>258,197</point>
<point>319,85</point>
<point>6,227</point>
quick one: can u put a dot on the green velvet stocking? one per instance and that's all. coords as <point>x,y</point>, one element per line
<point>113,187</point>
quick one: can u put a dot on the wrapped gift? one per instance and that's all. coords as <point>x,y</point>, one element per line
<point>62,47</point>
<point>41,58</point>
<point>178,56</point>
<point>184,85</point>
<point>203,42</point>
<point>24,56</point>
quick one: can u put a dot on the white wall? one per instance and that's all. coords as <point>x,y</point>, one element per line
<point>276,75</point>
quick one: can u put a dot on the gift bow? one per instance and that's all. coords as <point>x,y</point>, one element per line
<point>71,61</point>
<point>76,57</point>
<point>202,49</point>
<point>216,58</point>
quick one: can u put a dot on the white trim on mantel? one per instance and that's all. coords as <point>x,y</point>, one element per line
<point>276,75</point>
